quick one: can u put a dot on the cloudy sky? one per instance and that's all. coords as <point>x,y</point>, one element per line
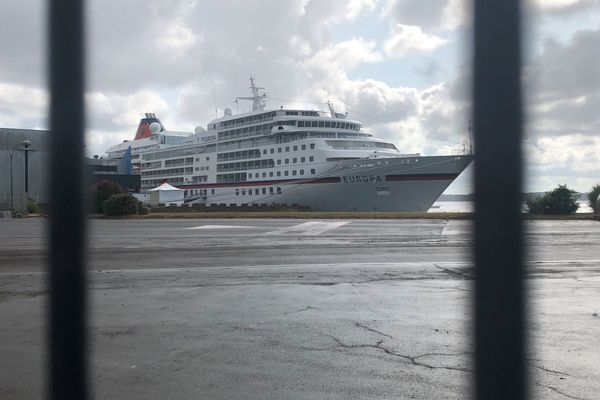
<point>399,66</point>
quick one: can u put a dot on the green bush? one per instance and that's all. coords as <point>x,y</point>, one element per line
<point>101,191</point>
<point>121,204</point>
<point>142,209</point>
<point>593,196</point>
<point>561,200</point>
<point>32,207</point>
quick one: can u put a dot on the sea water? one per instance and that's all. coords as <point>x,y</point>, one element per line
<point>469,206</point>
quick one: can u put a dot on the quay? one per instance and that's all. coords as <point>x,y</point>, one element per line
<point>296,308</point>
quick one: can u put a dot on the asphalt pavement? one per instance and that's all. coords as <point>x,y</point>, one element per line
<point>275,309</point>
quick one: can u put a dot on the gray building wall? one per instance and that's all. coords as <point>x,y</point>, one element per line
<point>37,167</point>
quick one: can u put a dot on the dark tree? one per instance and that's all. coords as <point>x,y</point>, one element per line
<point>101,191</point>
<point>121,204</point>
<point>561,200</point>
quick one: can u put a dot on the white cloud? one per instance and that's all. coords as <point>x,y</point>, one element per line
<point>428,14</point>
<point>576,153</point>
<point>410,38</point>
<point>114,111</point>
<point>559,5</point>
<point>563,85</point>
<point>408,134</point>
<point>22,106</point>
<point>346,55</point>
<point>176,39</point>
<point>356,7</point>
<point>456,13</point>
<point>554,4</point>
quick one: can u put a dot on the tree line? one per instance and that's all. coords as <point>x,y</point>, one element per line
<point>560,200</point>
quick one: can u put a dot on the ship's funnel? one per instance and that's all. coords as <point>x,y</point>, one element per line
<point>144,130</point>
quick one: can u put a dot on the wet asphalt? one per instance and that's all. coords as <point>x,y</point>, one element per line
<point>274,309</point>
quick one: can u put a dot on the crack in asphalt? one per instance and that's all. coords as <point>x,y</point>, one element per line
<point>455,273</point>
<point>301,310</point>
<point>556,390</point>
<point>414,360</point>
<point>551,370</point>
<point>359,325</point>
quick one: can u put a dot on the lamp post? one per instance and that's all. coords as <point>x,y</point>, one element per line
<point>25,144</point>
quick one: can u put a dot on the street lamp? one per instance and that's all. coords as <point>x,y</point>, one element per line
<point>25,144</point>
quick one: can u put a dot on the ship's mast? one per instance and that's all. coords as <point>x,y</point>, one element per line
<point>331,109</point>
<point>258,100</point>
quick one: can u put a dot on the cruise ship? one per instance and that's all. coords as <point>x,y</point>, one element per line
<point>320,160</point>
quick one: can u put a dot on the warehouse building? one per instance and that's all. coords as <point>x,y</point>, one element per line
<point>24,154</point>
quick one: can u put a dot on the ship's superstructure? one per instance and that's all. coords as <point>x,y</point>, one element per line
<point>150,135</point>
<point>293,156</point>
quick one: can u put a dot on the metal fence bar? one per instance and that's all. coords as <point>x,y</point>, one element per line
<point>500,306</point>
<point>67,311</point>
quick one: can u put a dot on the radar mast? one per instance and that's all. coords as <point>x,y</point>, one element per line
<point>331,109</point>
<point>259,101</point>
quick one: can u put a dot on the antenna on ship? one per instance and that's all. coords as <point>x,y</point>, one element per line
<point>335,114</point>
<point>215,101</point>
<point>331,109</point>
<point>259,101</point>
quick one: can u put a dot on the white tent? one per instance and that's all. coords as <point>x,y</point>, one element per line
<point>166,194</point>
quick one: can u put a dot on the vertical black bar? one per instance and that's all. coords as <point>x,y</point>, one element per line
<point>67,335</point>
<point>499,289</point>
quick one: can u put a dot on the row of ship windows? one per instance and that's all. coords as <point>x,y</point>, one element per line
<point>238,192</point>
<point>247,143</point>
<point>231,156</point>
<point>301,124</point>
<point>265,117</point>
<point>303,113</point>
<point>328,124</point>
<point>198,192</point>
<point>243,176</point>
<point>249,120</point>
<point>254,142</point>
<point>231,166</point>
<point>179,161</point>
<point>260,141</point>
<point>172,163</point>
<point>242,165</point>
<point>255,153</point>
<point>171,171</point>
<point>279,173</point>
<point>266,128</point>
<point>258,164</point>
<point>287,148</point>
<point>295,160</point>
<point>187,151</point>
<point>150,183</point>
<point>257,191</point>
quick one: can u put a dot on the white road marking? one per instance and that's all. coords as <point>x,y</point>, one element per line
<point>311,228</point>
<point>453,227</point>
<point>221,227</point>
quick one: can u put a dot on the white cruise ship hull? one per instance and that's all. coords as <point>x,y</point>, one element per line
<point>383,184</point>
